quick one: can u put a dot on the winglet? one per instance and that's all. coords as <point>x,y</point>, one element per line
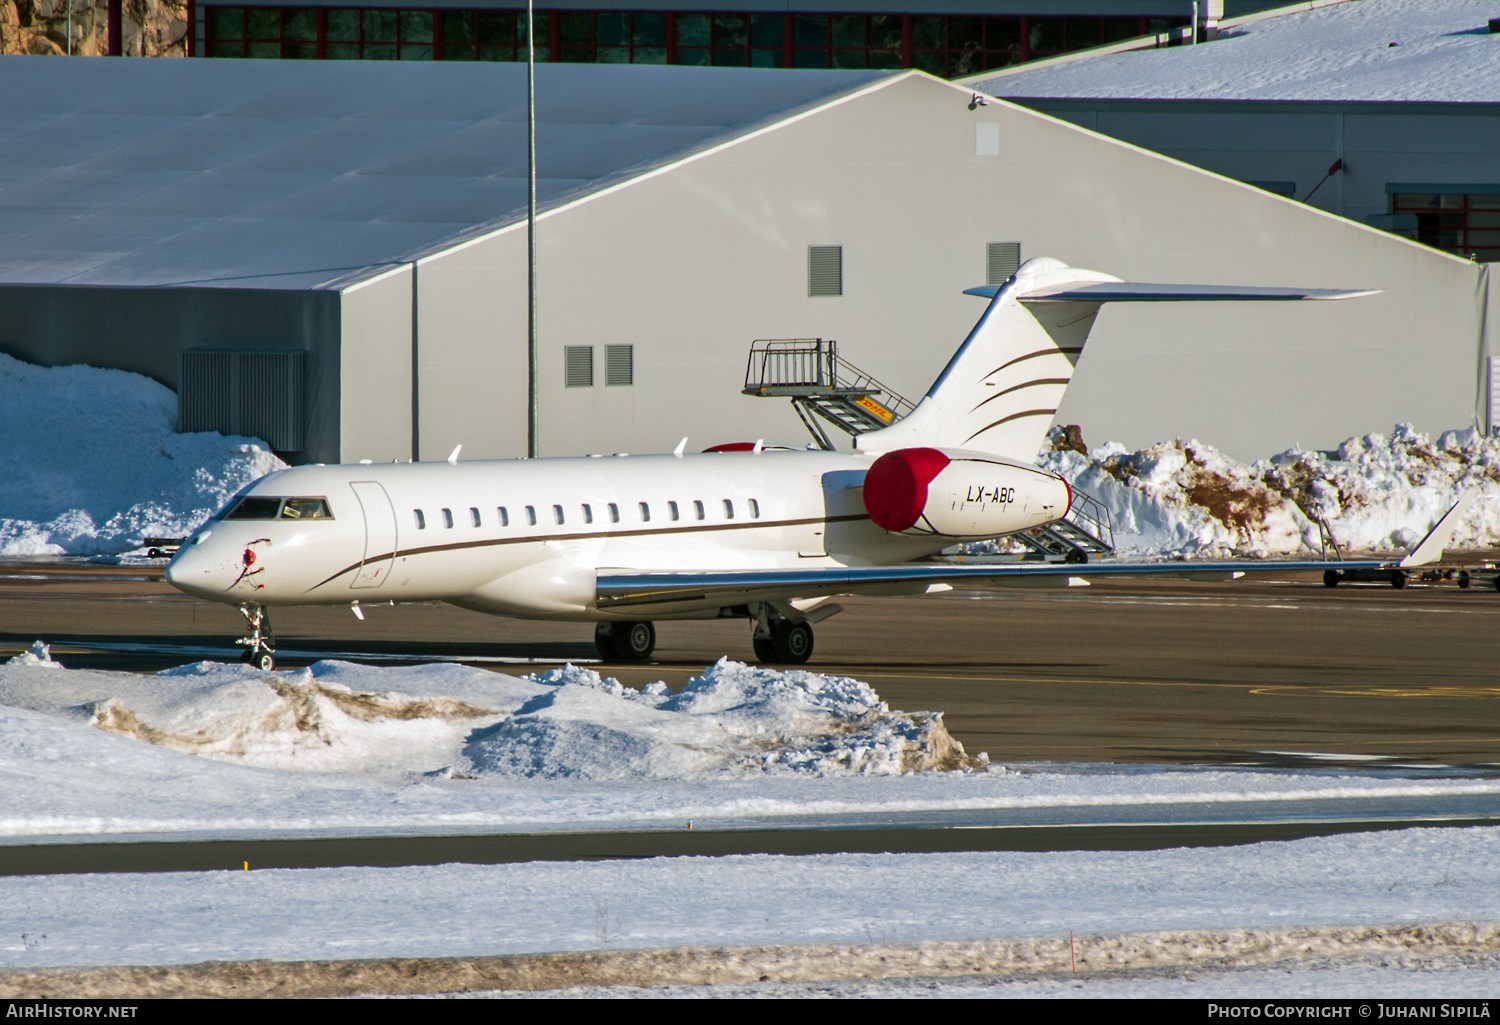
<point>1430,549</point>
<point>681,447</point>
<point>453,456</point>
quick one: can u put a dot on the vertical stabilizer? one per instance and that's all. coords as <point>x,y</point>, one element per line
<point>1001,390</point>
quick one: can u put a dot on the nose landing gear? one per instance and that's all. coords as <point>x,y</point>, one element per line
<point>260,645</point>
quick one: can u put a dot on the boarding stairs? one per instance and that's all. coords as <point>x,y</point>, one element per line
<point>1085,532</point>
<point>824,387</point>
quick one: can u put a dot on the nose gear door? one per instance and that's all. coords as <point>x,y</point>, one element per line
<point>380,534</point>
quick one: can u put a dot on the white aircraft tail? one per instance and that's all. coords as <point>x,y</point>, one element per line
<point>1000,391</point>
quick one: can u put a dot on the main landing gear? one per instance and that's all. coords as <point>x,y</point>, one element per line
<point>628,642</point>
<point>260,645</point>
<point>781,640</point>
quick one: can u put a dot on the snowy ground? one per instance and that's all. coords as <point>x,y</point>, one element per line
<point>1425,875</point>
<point>1183,498</point>
<point>226,751</point>
<point>1340,52</point>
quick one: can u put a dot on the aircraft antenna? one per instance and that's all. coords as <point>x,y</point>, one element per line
<point>532,440</point>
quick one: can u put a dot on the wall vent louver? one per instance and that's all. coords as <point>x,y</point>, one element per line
<point>619,365</point>
<point>825,270</point>
<point>578,366</point>
<point>1001,260</point>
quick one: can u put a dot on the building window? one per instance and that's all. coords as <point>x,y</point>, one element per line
<point>619,365</point>
<point>946,46</point>
<point>578,366</point>
<point>504,516</point>
<point>531,515</point>
<point>825,270</point>
<point>474,516</point>
<point>1464,221</point>
<point>421,520</point>
<point>1001,260</point>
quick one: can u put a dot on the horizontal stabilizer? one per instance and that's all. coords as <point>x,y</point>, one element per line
<point>1141,292</point>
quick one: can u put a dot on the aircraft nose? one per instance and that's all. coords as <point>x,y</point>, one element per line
<point>192,570</point>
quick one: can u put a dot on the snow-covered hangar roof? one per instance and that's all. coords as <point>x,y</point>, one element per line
<point>1444,53</point>
<point>307,174</point>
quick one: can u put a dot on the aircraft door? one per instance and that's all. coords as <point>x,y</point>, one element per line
<point>380,534</point>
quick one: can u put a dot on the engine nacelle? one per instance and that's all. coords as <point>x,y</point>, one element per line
<point>960,494</point>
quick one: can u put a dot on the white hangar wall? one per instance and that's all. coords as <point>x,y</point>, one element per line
<point>692,262</point>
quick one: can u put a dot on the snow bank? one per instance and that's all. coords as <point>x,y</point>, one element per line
<point>1377,493</point>
<point>447,720</point>
<point>91,462</point>
<point>734,717</point>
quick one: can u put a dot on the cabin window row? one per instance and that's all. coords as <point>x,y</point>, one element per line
<point>674,513</point>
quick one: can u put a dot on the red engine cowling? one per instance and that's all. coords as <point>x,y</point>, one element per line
<point>960,494</point>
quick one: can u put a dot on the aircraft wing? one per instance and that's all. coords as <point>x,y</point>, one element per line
<point>620,589</point>
<point>1141,292</point>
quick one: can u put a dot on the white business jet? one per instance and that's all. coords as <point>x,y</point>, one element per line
<point>765,534</point>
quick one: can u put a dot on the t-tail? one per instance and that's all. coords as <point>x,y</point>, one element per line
<point>999,393</point>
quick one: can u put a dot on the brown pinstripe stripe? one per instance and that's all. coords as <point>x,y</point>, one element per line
<point>1031,355</point>
<point>1028,384</point>
<point>1008,419</point>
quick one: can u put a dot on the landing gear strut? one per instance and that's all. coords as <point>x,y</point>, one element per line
<point>629,642</point>
<point>260,645</point>
<point>781,640</point>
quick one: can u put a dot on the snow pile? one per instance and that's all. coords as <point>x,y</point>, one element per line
<point>453,720</point>
<point>38,656</point>
<point>734,717</point>
<point>1376,493</point>
<point>1429,50</point>
<point>92,464</point>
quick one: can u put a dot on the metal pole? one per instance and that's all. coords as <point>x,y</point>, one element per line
<point>532,439</point>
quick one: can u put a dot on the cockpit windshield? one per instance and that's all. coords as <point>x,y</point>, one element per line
<point>255,507</point>
<point>306,509</point>
<point>261,507</point>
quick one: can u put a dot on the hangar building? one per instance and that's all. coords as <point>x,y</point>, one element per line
<point>332,255</point>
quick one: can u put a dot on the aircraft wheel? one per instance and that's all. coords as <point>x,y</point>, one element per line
<point>604,642</point>
<point>266,661</point>
<point>1497,583</point>
<point>1398,579</point>
<point>765,650</point>
<point>1464,580</point>
<point>1330,578</point>
<point>636,641</point>
<point>793,642</point>
<point>1075,557</point>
